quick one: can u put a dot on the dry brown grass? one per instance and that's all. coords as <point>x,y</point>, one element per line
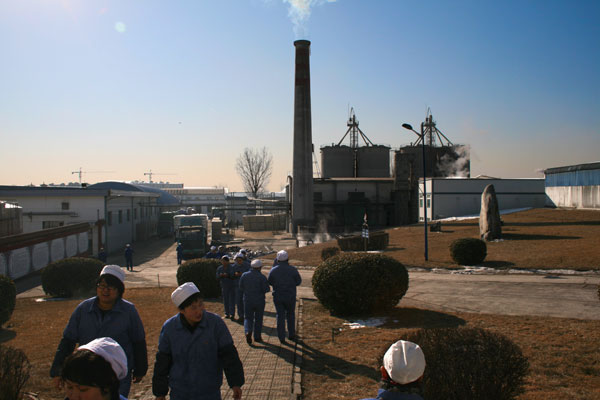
<point>564,354</point>
<point>540,238</point>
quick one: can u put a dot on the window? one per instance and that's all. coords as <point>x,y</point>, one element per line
<point>52,224</point>
<point>128,215</point>
<point>428,203</point>
<point>120,216</point>
<point>65,205</point>
<point>135,213</point>
<point>109,218</point>
<point>421,202</point>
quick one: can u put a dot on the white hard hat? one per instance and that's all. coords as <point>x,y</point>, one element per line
<point>182,293</point>
<point>282,255</point>
<point>404,362</point>
<point>111,351</point>
<point>113,270</point>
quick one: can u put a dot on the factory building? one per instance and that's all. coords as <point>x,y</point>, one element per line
<point>456,197</point>
<point>202,199</point>
<point>576,186</point>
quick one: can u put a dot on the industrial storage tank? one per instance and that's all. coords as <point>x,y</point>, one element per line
<point>337,162</point>
<point>373,161</point>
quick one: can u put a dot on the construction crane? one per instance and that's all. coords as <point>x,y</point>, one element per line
<point>150,173</point>
<point>81,172</point>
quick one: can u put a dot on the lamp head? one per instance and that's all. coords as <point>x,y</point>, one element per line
<point>407,126</point>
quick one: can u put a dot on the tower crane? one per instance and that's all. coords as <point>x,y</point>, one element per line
<point>81,172</point>
<point>150,173</point>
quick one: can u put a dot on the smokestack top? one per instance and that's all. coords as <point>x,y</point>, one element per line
<point>302,43</point>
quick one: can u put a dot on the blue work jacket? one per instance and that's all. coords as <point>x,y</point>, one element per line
<point>284,278</point>
<point>226,282</point>
<point>240,269</point>
<point>122,323</point>
<point>254,285</point>
<point>383,394</point>
<point>196,370</point>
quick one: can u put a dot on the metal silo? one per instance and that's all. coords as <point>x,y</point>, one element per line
<point>373,161</point>
<point>337,162</point>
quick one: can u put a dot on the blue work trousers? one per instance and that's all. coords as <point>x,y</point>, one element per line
<point>239,299</point>
<point>286,311</point>
<point>253,321</point>
<point>229,293</point>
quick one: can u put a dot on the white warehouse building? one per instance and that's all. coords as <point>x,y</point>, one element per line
<point>456,197</point>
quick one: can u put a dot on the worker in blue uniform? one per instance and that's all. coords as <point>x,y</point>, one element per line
<point>106,315</point>
<point>253,286</point>
<point>212,253</point>
<point>225,276</point>
<point>93,371</point>
<point>284,278</point>
<point>179,250</point>
<point>194,349</point>
<point>240,267</point>
<point>401,372</point>
<point>128,257</point>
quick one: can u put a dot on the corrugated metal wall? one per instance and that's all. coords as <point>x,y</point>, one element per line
<point>574,178</point>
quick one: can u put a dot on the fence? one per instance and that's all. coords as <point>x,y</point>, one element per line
<point>23,254</point>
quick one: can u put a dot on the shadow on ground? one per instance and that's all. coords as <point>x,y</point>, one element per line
<point>6,335</point>
<point>521,236</point>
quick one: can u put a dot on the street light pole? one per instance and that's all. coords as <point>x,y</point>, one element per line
<point>422,137</point>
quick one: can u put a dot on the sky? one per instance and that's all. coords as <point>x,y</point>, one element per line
<point>120,88</point>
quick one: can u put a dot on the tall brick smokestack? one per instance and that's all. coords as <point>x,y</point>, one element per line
<point>302,184</point>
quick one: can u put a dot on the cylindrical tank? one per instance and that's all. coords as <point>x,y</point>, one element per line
<point>337,162</point>
<point>373,161</point>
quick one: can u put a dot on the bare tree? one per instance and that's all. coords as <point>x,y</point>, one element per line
<point>254,168</point>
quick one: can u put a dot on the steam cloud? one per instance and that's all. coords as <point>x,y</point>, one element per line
<point>299,13</point>
<point>456,166</point>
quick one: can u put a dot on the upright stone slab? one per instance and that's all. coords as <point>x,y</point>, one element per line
<point>489,216</point>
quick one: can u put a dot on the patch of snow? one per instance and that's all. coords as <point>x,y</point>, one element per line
<point>371,322</point>
<point>473,216</point>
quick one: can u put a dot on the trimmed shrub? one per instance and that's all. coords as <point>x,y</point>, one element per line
<point>328,252</point>
<point>359,283</point>
<point>8,298</point>
<point>203,272</point>
<point>75,276</point>
<point>14,372</point>
<point>468,251</point>
<point>470,363</point>
<point>378,240</point>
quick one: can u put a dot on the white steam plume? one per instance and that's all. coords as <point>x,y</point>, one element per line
<point>299,13</point>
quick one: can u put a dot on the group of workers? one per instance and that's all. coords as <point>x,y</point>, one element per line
<point>195,346</point>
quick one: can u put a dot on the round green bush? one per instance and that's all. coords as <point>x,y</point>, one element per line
<point>359,283</point>
<point>75,276</point>
<point>8,298</point>
<point>468,251</point>
<point>203,272</point>
<point>328,252</point>
<point>470,363</point>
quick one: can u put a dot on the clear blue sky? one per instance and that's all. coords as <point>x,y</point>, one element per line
<point>182,87</point>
